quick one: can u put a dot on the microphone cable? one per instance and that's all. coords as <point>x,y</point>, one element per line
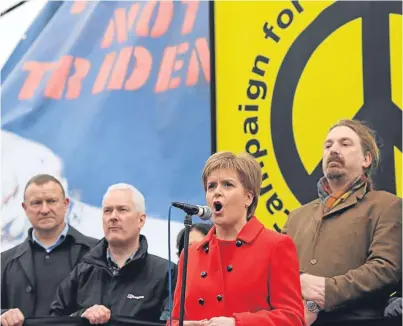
<point>169,267</point>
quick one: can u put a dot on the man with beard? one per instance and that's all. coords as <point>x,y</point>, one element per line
<point>349,240</point>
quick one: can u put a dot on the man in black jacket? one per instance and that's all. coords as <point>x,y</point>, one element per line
<point>32,270</point>
<point>118,275</point>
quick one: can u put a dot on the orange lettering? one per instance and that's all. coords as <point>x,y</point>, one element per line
<point>108,36</point>
<point>36,72</point>
<point>134,9</point>
<point>141,70</point>
<point>168,65</point>
<point>123,22</point>
<point>74,84</point>
<point>120,69</point>
<point>57,81</point>
<point>202,52</point>
<point>120,24</point>
<point>190,16</point>
<point>121,30</point>
<point>104,73</point>
<point>78,7</point>
<point>162,22</point>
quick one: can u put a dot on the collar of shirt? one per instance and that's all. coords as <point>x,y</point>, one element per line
<point>111,262</point>
<point>59,240</point>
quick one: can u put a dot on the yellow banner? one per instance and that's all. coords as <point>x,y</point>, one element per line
<point>288,70</point>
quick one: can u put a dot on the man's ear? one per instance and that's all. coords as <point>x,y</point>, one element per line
<point>142,219</point>
<point>367,160</point>
<point>66,202</point>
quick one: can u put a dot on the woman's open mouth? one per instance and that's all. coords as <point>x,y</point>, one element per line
<point>217,206</point>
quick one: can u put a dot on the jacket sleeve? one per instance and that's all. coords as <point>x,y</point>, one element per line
<point>382,268</point>
<point>3,293</point>
<point>165,309</point>
<point>177,295</point>
<point>64,303</point>
<point>284,291</point>
<point>285,227</point>
<point>4,301</point>
<point>4,305</point>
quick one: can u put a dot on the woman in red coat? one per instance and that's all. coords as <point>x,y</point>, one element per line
<point>241,273</point>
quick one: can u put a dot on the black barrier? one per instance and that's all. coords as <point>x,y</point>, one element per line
<point>129,321</point>
<point>368,322</point>
<point>78,321</point>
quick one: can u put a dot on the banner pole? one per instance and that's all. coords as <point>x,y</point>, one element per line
<point>12,8</point>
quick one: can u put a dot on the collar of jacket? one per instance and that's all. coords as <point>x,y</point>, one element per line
<point>248,233</point>
<point>350,201</point>
<point>24,252</point>
<point>25,246</point>
<point>97,255</point>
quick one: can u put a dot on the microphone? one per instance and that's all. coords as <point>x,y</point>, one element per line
<point>204,212</point>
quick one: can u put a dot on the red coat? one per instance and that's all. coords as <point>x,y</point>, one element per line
<point>254,279</point>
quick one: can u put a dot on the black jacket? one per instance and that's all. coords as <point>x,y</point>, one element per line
<point>139,289</point>
<point>17,271</point>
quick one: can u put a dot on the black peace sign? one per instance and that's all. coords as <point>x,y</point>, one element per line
<point>378,109</point>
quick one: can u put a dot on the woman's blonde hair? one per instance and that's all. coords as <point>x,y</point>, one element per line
<point>247,168</point>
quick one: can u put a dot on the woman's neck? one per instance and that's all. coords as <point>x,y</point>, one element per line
<point>228,233</point>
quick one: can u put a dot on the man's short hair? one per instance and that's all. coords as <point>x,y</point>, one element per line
<point>41,179</point>
<point>137,196</point>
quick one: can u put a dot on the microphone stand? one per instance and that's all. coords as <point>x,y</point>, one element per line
<point>188,224</point>
<point>12,8</point>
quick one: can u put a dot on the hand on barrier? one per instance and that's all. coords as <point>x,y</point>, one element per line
<point>12,317</point>
<point>195,322</point>
<point>313,288</point>
<point>394,309</point>
<point>97,314</point>
<point>221,321</point>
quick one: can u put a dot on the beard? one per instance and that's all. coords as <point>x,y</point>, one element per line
<point>335,174</point>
